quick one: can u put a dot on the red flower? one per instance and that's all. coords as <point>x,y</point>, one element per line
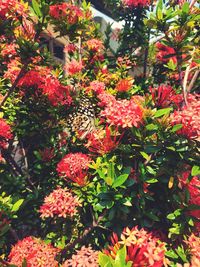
<point>59,203</point>
<point>84,257</point>
<point>142,248</point>
<point>165,53</point>
<point>193,243</point>
<point>35,252</point>
<point>123,113</point>
<point>12,8</point>
<point>189,118</point>
<point>95,45</point>
<point>162,95</point>
<point>74,166</point>
<point>5,133</point>
<point>66,11</point>
<point>70,48</point>
<point>193,186</point>
<point>124,85</point>
<point>102,141</point>
<point>74,67</point>
<point>135,3</point>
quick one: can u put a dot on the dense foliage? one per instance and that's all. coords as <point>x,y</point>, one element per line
<point>99,153</point>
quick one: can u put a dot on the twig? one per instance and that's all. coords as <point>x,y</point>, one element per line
<point>195,76</point>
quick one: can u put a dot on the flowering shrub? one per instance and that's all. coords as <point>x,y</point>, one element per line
<point>34,252</point>
<point>99,134</point>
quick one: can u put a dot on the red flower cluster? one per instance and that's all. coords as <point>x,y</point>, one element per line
<point>84,257</point>
<point>163,95</point>
<point>143,249</point>
<point>5,133</point>
<point>59,203</point>
<point>193,187</point>
<point>11,8</point>
<point>105,99</point>
<point>74,166</point>
<point>95,45</point>
<point>101,141</point>
<point>193,243</point>
<point>189,118</point>
<point>35,252</point>
<point>123,113</point>
<point>74,67</point>
<point>8,51</point>
<point>136,3</point>
<point>66,11</point>
<point>124,85</point>
<point>165,53</point>
<point>96,86</point>
<point>42,78</point>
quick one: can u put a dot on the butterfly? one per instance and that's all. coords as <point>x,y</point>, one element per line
<point>82,119</point>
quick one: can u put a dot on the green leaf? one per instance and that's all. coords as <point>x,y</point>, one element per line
<point>36,8</point>
<point>176,127</point>
<point>17,205</point>
<point>161,112</point>
<point>104,260</point>
<point>185,7</point>
<point>120,180</point>
<point>145,155</point>
<point>195,170</point>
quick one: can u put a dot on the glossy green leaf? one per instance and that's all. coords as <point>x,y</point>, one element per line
<point>17,205</point>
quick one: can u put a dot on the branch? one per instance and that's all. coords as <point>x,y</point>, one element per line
<point>194,78</point>
<point>12,88</point>
<point>83,237</point>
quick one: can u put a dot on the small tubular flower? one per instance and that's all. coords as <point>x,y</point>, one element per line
<point>74,67</point>
<point>162,95</point>
<point>35,252</point>
<point>123,113</point>
<point>74,166</point>
<point>59,203</point>
<point>86,256</point>
<point>95,45</point>
<point>142,248</point>
<point>193,243</point>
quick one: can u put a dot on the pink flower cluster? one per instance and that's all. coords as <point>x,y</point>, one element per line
<point>123,113</point>
<point>189,117</point>
<point>59,203</point>
<point>66,10</point>
<point>86,256</point>
<point>95,45</point>
<point>193,243</point>
<point>136,3</point>
<point>74,166</point>
<point>143,249</point>
<point>97,87</point>
<point>74,67</point>
<point>35,252</point>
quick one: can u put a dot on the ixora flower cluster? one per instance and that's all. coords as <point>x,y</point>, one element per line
<point>84,257</point>
<point>34,252</point>
<point>74,166</point>
<point>5,135</point>
<point>59,203</point>
<point>141,247</point>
